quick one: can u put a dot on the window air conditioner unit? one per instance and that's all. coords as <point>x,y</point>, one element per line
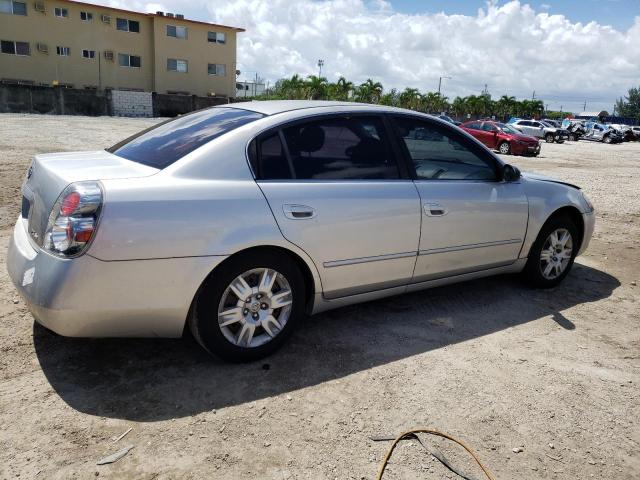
<point>105,18</point>
<point>170,15</point>
<point>39,7</point>
<point>42,48</point>
<point>179,16</point>
<point>108,55</point>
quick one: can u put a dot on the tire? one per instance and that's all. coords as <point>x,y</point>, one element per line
<point>534,271</point>
<point>548,138</point>
<point>504,148</point>
<point>573,138</point>
<point>216,295</point>
<point>607,139</point>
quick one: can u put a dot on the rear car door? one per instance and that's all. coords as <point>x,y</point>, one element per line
<point>338,192</point>
<point>471,220</point>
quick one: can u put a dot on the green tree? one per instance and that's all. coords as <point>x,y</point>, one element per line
<point>315,87</point>
<point>629,106</point>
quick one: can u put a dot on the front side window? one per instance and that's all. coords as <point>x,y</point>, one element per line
<point>175,65</point>
<point>337,148</point>
<point>127,25</point>
<point>488,127</point>
<point>164,144</point>
<point>126,60</point>
<point>176,31</point>
<point>63,51</point>
<point>61,12</point>
<point>217,69</point>
<point>439,153</point>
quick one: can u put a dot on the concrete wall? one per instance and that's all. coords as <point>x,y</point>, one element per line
<point>131,104</point>
<point>70,101</point>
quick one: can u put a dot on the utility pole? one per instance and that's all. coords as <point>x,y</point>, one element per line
<point>440,83</point>
<point>584,109</point>
<point>320,65</point>
<point>533,97</point>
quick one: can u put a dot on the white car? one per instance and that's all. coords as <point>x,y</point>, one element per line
<point>540,129</point>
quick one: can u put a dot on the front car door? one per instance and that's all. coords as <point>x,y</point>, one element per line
<point>490,132</point>
<point>338,192</point>
<point>471,220</point>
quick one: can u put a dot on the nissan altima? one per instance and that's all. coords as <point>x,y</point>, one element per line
<point>236,221</point>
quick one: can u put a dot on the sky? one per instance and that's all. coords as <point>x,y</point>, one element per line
<point>568,52</point>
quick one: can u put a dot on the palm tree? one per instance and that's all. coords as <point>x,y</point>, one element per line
<point>506,106</point>
<point>369,92</point>
<point>410,98</point>
<point>343,89</point>
<point>315,87</point>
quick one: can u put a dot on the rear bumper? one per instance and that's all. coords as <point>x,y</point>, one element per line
<point>87,297</point>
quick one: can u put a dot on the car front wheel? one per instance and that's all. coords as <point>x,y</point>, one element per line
<point>504,148</point>
<point>553,253</point>
<point>548,138</point>
<point>248,307</point>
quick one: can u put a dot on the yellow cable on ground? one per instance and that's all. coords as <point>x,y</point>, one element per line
<point>438,434</point>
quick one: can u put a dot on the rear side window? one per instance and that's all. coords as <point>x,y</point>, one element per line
<point>337,148</point>
<point>164,144</point>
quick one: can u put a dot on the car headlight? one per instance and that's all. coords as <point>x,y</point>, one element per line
<point>587,202</point>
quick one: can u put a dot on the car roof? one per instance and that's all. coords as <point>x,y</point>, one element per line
<point>272,107</point>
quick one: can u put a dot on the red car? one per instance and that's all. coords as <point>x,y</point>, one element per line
<point>502,137</point>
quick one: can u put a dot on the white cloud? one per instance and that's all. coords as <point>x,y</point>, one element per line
<point>509,46</point>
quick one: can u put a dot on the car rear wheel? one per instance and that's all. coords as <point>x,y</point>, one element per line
<point>607,139</point>
<point>548,138</point>
<point>248,307</point>
<point>573,138</point>
<point>553,253</point>
<point>504,148</point>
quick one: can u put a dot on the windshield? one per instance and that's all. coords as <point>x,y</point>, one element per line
<point>508,128</point>
<point>164,144</point>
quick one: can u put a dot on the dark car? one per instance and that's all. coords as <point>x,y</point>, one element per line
<point>502,137</point>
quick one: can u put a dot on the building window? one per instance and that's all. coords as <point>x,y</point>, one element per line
<point>127,25</point>
<point>86,16</point>
<point>88,53</point>
<point>61,12</point>
<point>14,8</point>
<point>15,48</point>
<point>217,69</point>
<point>126,60</point>
<point>63,51</point>
<point>178,32</point>
<point>216,37</point>
<point>175,65</point>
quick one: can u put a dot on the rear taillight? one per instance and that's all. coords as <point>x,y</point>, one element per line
<point>73,219</point>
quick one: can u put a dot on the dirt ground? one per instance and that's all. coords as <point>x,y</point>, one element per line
<point>491,362</point>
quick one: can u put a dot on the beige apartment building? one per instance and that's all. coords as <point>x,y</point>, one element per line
<point>83,45</point>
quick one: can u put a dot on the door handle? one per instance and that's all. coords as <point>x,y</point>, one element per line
<point>298,212</point>
<point>434,210</point>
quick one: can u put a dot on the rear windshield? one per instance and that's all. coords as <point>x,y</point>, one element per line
<point>163,144</point>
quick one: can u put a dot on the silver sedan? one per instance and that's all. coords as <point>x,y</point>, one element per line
<point>239,220</point>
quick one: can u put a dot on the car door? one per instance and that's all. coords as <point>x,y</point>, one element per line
<point>471,220</point>
<point>338,192</point>
<point>490,135</point>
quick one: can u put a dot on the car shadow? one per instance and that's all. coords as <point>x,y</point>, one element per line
<point>155,379</point>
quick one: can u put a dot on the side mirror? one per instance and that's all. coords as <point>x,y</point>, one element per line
<point>510,173</point>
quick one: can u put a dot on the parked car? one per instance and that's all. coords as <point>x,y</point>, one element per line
<point>237,220</point>
<point>553,123</point>
<point>623,130</point>
<point>636,132</point>
<point>502,137</point>
<point>599,132</point>
<point>575,128</point>
<point>539,129</point>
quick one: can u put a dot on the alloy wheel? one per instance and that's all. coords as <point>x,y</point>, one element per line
<point>556,253</point>
<point>255,307</point>
<point>504,148</point>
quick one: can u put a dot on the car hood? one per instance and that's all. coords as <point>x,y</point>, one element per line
<point>543,178</point>
<point>522,137</point>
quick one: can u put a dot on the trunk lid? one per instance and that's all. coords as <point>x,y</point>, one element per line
<point>50,173</point>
